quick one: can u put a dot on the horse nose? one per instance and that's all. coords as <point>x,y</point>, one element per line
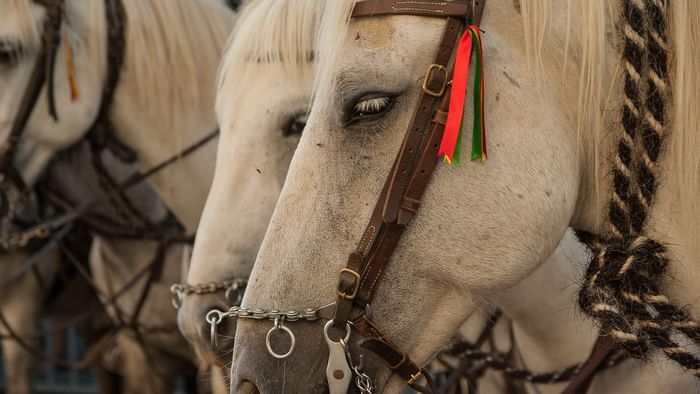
<point>254,366</point>
<point>194,326</point>
<point>246,387</point>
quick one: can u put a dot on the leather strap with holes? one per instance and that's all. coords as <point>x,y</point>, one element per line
<point>409,175</point>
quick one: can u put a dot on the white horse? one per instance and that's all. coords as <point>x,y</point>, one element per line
<point>264,93</point>
<point>221,242</point>
<point>165,42</point>
<point>541,180</point>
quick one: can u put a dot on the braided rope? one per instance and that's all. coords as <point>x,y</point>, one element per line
<point>499,361</point>
<point>623,281</point>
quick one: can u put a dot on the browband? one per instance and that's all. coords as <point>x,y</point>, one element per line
<point>442,9</point>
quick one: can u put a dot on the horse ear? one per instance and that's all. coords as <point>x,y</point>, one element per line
<point>234,4</point>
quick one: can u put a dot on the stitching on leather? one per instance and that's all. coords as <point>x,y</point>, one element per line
<point>363,248</point>
<point>374,281</point>
<point>418,3</point>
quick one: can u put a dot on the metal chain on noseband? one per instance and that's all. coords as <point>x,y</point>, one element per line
<point>623,281</point>
<point>233,286</point>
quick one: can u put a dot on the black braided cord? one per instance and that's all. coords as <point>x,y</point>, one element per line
<point>622,287</point>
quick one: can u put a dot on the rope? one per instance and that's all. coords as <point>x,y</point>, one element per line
<point>623,281</point>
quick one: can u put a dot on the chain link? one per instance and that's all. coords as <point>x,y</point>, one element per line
<point>362,381</point>
<point>180,290</point>
<point>288,315</point>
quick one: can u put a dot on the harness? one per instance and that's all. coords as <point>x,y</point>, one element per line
<point>50,233</point>
<point>398,202</point>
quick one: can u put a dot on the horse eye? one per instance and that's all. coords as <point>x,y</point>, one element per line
<point>369,107</point>
<point>10,53</point>
<point>294,126</point>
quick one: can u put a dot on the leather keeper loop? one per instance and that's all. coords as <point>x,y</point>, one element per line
<point>440,117</point>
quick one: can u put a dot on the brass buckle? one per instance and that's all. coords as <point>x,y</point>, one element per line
<point>356,288</point>
<point>432,68</point>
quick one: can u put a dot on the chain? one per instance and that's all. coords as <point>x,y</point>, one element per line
<point>362,381</point>
<point>215,316</point>
<point>233,286</point>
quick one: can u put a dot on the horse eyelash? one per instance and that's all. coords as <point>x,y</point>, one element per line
<point>372,105</point>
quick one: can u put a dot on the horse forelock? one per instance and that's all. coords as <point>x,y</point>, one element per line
<point>27,34</point>
<point>287,40</point>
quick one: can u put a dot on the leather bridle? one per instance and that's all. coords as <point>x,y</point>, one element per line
<point>404,187</point>
<point>43,70</point>
<point>402,192</point>
<point>100,137</point>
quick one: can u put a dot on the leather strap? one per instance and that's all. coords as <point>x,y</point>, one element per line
<point>409,175</point>
<point>441,9</point>
<point>43,66</point>
<point>601,352</point>
<point>397,360</point>
<point>391,213</point>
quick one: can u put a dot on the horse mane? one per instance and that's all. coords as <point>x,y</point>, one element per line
<point>597,110</point>
<point>28,33</point>
<point>171,47</point>
<point>288,41</point>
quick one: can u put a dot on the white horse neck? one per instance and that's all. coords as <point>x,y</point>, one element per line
<point>548,333</point>
<point>165,100</point>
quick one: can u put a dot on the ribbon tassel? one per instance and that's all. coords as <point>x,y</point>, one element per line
<point>70,67</point>
<point>450,145</point>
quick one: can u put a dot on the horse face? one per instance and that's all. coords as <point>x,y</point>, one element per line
<point>20,43</point>
<point>262,116</point>
<point>480,228</point>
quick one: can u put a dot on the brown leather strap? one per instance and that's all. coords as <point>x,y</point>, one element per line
<point>394,208</point>
<point>602,350</point>
<point>42,67</point>
<point>402,192</point>
<point>435,8</point>
<point>397,360</point>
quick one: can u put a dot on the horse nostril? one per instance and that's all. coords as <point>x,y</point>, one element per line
<point>247,387</point>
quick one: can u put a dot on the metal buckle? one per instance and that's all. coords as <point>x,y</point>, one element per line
<point>428,75</point>
<point>356,288</point>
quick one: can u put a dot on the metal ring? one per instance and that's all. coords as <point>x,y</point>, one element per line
<point>348,329</point>
<point>239,295</point>
<point>214,318</point>
<point>177,296</point>
<point>284,328</point>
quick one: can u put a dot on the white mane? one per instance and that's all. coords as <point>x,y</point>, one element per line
<point>288,41</point>
<point>28,32</point>
<point>187,33</point>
